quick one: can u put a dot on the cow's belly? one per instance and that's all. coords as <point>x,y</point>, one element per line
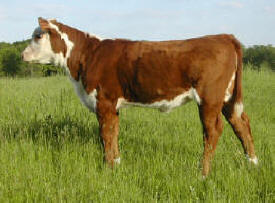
<point>163,105</point>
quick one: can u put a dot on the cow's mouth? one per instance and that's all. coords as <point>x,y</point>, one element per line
<point>39,62</point>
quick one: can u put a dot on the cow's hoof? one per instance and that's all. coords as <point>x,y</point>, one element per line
<point>117,160</point>
<point>253,160</point>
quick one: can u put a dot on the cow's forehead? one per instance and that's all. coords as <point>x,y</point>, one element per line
<point>37,31</point>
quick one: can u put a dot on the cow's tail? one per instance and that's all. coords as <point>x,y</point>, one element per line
<point>237,92</point>
<point>234,109</point>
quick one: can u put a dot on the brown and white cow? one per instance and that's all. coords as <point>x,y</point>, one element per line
<point>112,74</point>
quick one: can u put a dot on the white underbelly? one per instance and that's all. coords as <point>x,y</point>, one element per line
<point>163,105</point>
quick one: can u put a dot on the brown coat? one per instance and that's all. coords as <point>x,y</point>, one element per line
<point>115,73</point>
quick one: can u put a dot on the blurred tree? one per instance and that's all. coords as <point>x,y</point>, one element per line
<point>10,61</point>
<point>258,55</point>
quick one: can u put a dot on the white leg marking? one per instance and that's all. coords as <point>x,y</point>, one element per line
<point>238,108</point>
<point>253,160</point>
<point>117,160</point>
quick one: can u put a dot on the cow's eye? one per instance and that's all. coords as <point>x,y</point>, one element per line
<point>38,36</point>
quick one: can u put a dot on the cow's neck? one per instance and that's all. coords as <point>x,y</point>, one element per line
<point>77,43</point>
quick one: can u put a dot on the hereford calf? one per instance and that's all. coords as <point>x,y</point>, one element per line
<point>111,74</point>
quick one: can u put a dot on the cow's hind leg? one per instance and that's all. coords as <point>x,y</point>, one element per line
<point>212,128</point>
<point>239,121</point>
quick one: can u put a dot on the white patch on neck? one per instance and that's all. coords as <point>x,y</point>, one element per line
<point>238,109</point>
<point>89,100</point>
<point>60,59</point>
<point>164,105</point>
<point>227,91</point>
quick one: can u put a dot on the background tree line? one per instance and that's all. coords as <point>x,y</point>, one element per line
<point>255,57</point>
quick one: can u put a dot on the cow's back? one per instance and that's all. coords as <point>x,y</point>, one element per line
<point>150,71</point>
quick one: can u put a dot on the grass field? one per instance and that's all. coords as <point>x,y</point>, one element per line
<point>50,150</point>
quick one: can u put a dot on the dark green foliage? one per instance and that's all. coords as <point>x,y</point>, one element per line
<point>10,61</point>
<point>50,70</point>
<point>259,55</point>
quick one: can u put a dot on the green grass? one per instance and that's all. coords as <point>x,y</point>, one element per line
<point>50,150</point>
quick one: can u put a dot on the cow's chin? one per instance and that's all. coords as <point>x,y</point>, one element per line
<point>44,62</point>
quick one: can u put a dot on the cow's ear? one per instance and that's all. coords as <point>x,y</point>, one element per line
<point>44,24</point>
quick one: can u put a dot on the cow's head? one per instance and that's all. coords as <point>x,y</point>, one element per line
<point>48,45</point>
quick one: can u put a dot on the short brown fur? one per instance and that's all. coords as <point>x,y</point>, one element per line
<point>146,72</point>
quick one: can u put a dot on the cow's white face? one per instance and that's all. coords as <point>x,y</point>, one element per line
<point>39,50</point>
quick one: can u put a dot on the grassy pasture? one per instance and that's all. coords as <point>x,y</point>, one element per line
<point>50,149</point>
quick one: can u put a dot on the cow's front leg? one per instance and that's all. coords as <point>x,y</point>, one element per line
<point>109,129</point>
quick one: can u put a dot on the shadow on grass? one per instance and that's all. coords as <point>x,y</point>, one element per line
<point>54,131</point>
